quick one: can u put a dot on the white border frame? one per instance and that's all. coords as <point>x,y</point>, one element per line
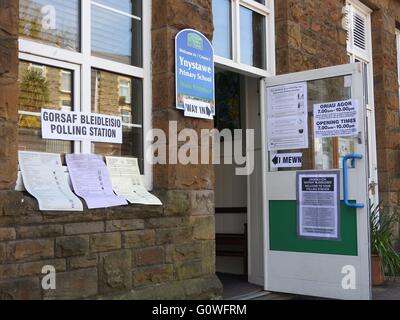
<point>82,63</point>
<point>363,231</point>
<point>367,58</point>
<point>234,64</point>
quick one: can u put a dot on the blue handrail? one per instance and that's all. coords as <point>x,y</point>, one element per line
<point>345,181</point>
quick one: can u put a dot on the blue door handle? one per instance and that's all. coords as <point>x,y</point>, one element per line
<point>352,157</point>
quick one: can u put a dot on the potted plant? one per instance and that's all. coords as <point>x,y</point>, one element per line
<point>385,260</point>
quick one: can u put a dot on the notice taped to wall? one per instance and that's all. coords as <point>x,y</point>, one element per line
<point>91,181</point>
<point>287,117</point>
<point>75,126</point>
<point>336,119</point>
<point>318,205</point>
<point>44,178</point>
<point>127,182</point>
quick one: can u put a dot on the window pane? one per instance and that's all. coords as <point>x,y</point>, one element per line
<point>117,36</point>
<point>39,87</point>
<point>54,22</point>
<point>128,6</point>
<point>252,38</point>
<point>119,95</point>
<point>222,40</point>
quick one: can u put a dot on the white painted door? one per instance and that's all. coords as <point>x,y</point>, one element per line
<point>319,267</point>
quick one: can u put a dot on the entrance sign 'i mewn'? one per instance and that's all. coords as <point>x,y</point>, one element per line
<point>194,72</point>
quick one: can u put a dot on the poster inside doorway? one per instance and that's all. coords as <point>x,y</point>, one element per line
<point>287,117</point>
<point>318,205</point>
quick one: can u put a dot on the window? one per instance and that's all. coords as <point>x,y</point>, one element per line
<point>357,22</point>
<point>39,88</point>
<point>125,91</point>
<point>222,40</point>
<point>116,30</point>
<point>65,81</point>
<point>102,64</point>
<point>106,99</point>
<point>252,38</point>
<point>54,22</point>
<point>244,35</point>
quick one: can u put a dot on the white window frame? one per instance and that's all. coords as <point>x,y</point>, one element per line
<point>82,63</point>
<point>367,58</point>
<point>234,63</point>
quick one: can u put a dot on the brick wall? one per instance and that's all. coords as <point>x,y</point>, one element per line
<point>188,190</point>
<point>309,35</point>
<point>8,91</point>
<point>133,252</point>
<point>384,18</point>
<point>122,253</point>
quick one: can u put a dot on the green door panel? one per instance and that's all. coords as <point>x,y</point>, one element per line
<point>283,231</point>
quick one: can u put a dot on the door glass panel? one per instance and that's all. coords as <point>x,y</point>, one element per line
<point>325,153</point>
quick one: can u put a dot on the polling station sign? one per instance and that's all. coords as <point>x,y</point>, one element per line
<point>336,119</point>
<point>194,69</point>
<point>76,126</point>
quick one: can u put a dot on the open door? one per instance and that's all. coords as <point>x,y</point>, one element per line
<point>316,205</point>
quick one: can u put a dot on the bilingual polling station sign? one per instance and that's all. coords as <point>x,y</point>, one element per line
<point>194,73</point>
<point>76,126</point>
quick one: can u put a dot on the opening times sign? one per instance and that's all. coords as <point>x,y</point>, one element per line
<point>194,72</point>
<point>336,119</point>
<point>76,126</point>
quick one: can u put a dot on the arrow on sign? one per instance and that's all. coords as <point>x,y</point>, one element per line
<point>275,160</point>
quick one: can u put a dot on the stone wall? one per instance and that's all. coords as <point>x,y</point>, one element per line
<point>385,17</point>
<point>132,252</point>
<point>8,92</point>
<point>309,35</point>
<point>188,189</point>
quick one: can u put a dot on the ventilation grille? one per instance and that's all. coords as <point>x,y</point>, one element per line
<point>359,32</point>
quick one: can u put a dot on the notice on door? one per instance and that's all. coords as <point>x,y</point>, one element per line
<point>287,160</point>
<point>318,203</point>
<point>287,117</point>
<point>336,119</point>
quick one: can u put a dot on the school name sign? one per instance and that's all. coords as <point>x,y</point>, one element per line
<point>194,72</point>
<point>76,126</point>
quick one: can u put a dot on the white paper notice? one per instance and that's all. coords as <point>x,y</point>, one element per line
<point>287,117</point>
<point>44,178</point>
<point>70,126</point>
<point>198,109</point>
<point>127,182</point>
<point>286,160</point>
<point>318,205</point>
<point>336,119</point>
<point>91,181</point>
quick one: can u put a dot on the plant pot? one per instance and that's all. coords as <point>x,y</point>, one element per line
<point>377,275</point>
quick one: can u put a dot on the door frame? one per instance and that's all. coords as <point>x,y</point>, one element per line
<point>356,70</point>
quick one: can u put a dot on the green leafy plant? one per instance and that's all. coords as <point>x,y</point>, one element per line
<point>382,224</point>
